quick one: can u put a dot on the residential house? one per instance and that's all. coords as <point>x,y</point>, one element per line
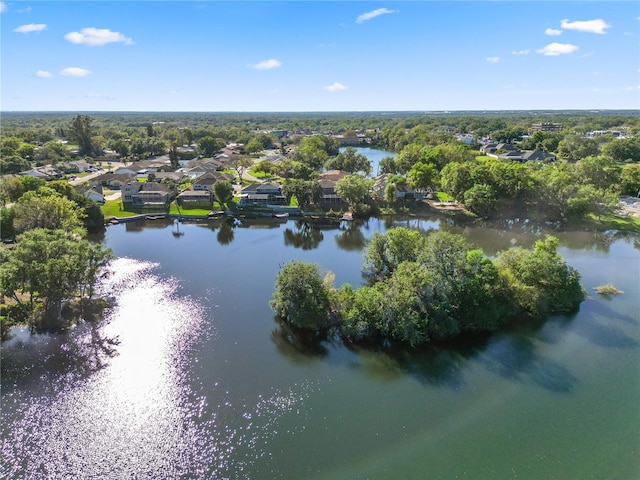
<point>492,149</point>
<point>35,172</point>
<point>546,127</point>
<point>48,172</point>
<point>192,198</point>
<point>403,190</point>
<point>114,181</point>
<point>262,194</point>
<point>95,194</point>
<point>208,166</point>
<point>175,177</point>
<point>75,166</point>
<point>147,193</point>
<point>328,182</point>
<point>206,181</point>
<point>126,171</point>
<point>528,156</point>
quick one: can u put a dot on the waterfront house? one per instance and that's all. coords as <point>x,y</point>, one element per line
<point>262,194</point>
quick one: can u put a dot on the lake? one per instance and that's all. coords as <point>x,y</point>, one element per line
<point>374,155</point>
<point>189,376</point>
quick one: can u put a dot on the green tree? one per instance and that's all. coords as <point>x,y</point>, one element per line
<point>423,175</point>
<point>456,178</point>
<point>387,165</point>
<point>240,164</point>
<point>350,161</point>
<point>630,180</point>
<point>386,251</point>
<point>481,200</point>
<point>354,190</point>
<point>175,137</point>
<point>575,147</point>
<point>50,211</point>
<point>208,146</point>
<point>48,267</point>
<point>301,296</point>
<point>223,191</point>
<point>264,166</point>
<point>601,171</point>
<point>623,149</point>
<point>82,132</point>
<point>13,164</point>
<point>306,192</point>
<point>540,281</point>
<point>253,146</point>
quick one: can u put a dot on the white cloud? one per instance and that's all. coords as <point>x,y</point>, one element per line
<point>75,72</point>
<point>552,31</point>
<point>492,59</point>
<point>43,74</point>
<point>521,52</point>
<point>3,7</point>
<point>555,49</point>
<point>592,26</point>
<point>373,14</point>
<point>97,37</point>
<point>266,64</point>
<point>335,87</point>
<point>32,27</point>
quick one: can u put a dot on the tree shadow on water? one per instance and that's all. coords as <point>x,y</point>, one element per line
<point>297,344</point>
<point>514,357</point>
<point>56,360</point>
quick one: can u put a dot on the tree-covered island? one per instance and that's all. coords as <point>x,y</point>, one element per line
<point>428,288</point>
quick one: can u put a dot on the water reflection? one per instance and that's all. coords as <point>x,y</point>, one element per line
<point>304,235</point>
<point>351,237</point>
<point>298,344</point>
<point>225,233</point>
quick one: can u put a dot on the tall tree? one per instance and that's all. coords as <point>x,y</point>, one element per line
<point>301,296</point>
<point>83,132</point>
<point>350,161</point>
<point>306,192</point>
<point>354,189</point>
<point>50,266</point>
<point>223,191</point>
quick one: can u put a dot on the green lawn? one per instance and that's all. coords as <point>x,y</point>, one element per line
<point>614,222</point>
<point>443,197</point>
<point>111,208</point>
<point>174,210</point>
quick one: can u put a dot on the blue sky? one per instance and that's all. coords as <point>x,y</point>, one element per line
<point>319,56</point>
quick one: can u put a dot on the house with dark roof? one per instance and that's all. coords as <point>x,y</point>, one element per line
<point>262,194</point>
<point>209,166</point>
<point>528,156</point>
<point>147,193</point>
<point>114,181</point>
<point>206,181</point>
<point>195,198</point>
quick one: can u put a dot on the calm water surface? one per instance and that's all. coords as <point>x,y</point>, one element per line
<point>188,376</point>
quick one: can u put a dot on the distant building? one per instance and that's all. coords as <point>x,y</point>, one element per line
<point>546,127</point>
